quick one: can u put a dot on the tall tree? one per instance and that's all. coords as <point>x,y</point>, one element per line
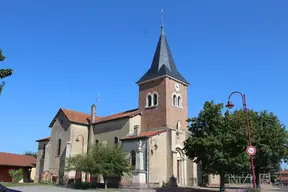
<point>3,72</point>
<point>31,153</point>
<point>214,142</point>
<point>270,138</point>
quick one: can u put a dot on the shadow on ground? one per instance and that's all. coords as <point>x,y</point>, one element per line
<point>183,189</point>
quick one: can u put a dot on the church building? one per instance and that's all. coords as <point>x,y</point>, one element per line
<point>157,128</point>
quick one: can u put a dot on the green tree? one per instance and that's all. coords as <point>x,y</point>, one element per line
<point>78,163</point>
<point>215,143</point>
<point>16,174</point>
<point>108,161</point>
<point>268,136</point>
<point>104,160</point>
<point>31,153</point>
<point>4,72</point>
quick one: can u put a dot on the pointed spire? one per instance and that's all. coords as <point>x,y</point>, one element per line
<point>163,63</point>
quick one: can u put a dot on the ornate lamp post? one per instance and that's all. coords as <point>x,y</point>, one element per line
<point>250,149</point>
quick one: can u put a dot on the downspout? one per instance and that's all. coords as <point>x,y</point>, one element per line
<point>147,160</point>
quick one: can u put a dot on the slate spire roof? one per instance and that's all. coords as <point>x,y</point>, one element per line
<point>163,63</point>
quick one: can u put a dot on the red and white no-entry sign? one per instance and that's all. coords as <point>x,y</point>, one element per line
<point>251,150</point>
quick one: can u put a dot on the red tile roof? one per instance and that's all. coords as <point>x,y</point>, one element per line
<point>77,117</point>
<point>83,118</point>
<point>43,139</point>
<point>282,178</point>
<point>282,172</point>
<point>10,159</point>
<point>129,113</point>
<point>145,134</point>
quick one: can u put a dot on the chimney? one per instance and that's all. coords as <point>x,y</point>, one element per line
<point>93,113</point>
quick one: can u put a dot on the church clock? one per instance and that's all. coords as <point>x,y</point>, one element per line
<point>177,87</point>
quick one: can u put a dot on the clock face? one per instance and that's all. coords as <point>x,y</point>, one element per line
<point>177,87</point>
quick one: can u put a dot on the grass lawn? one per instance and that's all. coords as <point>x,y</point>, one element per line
<point>6,184</point>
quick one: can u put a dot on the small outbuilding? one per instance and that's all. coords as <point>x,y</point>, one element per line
<point>15,161</point>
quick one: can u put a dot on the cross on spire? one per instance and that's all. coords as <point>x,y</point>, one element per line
<point>162,18</point>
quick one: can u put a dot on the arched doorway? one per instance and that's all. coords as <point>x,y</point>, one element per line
<point>181,167</point>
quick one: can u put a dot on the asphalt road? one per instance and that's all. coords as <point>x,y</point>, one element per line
<point>41,189</point>
<point>59,189</point>
<point>281,187</point>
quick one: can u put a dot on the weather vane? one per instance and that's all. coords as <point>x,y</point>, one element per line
<point>162,17</point>
<point>98,97</point>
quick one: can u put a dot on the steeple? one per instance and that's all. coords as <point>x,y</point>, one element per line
<point>163,63</point>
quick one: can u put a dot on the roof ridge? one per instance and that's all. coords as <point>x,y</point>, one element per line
<point>127,111</point>
<point>17,154</point>
<point>142,134</point>
<point>130,110</point>
<point>65,109</point>
<point>44,139</point>
<point>107,118</point>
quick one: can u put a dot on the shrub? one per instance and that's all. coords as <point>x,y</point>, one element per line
<point>80,185</point>
<point>85,185</point>
<point>16,174</point>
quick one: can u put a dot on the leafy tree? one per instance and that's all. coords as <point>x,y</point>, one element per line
<point>215,142</point>
<point>4,72</point>
<point>108,161</point>
<point>31,153</point>
<point>16,174</point>
<point>268,136</point>
<point>104,160</point>
<point>77,163</point>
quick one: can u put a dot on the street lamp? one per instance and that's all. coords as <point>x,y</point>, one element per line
<point>230,105</point>
<point>77,139</point>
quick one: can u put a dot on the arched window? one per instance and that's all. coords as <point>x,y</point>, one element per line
<point>174,100</point>
<point>152,99</point>
<point>149,100</point>
<point>59,147</point>
<point>179,101</point>
<point>97,142</point>
<point>133,159</point>
<point>155,99</point>
<point>116,140</point>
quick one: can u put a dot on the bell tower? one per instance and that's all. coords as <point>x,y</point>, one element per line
<point>163,91</point>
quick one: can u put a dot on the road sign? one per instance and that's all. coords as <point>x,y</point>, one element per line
<point>251,150</point>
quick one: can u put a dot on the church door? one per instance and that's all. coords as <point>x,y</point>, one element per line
<point>181,168</point>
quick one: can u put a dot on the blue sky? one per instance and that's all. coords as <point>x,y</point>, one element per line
<point>65,52</point>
